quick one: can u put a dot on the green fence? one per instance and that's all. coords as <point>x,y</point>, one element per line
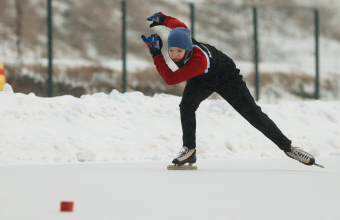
<point>77,47</point>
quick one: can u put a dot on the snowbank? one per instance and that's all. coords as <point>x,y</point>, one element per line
<point>133,127</point>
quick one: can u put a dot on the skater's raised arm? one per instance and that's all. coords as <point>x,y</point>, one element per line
<point>168,21</point>
<point>173,23</point>
<point>191,60</point>
<point>194,67</point>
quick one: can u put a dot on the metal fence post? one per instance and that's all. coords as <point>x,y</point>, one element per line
<point>50,48</point>
<point>256,56</point>
<point>316,21</point>
<point>192,18</point>
<point>1,55</point>
<point>124,44</point>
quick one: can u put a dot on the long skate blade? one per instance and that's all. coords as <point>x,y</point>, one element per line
<point>318,165</point>
<point>182,167</point>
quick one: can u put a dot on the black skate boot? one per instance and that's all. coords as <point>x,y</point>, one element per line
<point>186,155</point>
<point>301,156</point>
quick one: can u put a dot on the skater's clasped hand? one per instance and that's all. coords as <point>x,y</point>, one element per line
<point>154,43</point>
<point>157,18</point>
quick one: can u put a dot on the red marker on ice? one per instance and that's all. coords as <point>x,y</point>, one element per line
<point>66,206</point>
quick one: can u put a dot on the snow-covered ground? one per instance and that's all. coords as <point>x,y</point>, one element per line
<point>108,154</point>
<point>133,127</point>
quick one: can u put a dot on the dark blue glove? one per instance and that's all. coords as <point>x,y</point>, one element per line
<point>157,18</point>
<point>154,43</point>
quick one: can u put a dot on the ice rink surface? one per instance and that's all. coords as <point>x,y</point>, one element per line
<point>232,189</point>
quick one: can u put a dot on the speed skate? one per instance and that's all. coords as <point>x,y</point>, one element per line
<point>191,166</point>
<point>185,156</point>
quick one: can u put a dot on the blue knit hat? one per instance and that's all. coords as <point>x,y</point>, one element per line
<point>180,37</point>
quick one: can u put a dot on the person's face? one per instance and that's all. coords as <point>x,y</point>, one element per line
<point>176,53</point>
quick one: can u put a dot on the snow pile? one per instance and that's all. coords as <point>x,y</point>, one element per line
<point>133,127</point>
<point>86,155</point>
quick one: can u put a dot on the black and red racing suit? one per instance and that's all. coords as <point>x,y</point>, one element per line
<point>206,71</point>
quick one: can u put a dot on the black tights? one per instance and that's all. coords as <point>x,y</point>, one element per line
<point>236,93</point>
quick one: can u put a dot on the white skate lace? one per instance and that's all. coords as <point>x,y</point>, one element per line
<point>299,156</point>
<point>183,152</point>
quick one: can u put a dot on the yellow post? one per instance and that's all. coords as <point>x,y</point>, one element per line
<point>2,76</point>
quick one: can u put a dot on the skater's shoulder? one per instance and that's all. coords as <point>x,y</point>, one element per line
<point>198,55</point>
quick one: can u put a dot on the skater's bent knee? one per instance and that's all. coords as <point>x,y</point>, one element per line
<point>190,105</point>
<point>187,108</point>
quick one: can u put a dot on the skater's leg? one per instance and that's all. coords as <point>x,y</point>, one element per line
<point>194,93</point>
<point>235,91</point>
